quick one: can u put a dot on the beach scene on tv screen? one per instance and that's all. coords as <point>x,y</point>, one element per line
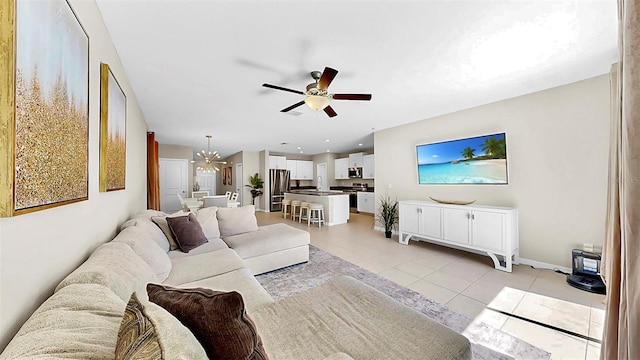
<point>477,160</point>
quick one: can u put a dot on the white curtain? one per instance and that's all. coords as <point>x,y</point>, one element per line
<point>621,251</point>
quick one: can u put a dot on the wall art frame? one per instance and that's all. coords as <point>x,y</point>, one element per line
<point>113,130</point>
<point>44,106</point>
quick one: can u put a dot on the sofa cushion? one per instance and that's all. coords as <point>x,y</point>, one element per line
<point>267,239</point>
<point>79,321</point>
<point>240,280</point>
<point>237,220</point>
<point>207,217</point>
<point>377,326</point>
<point>142,244</point>
<point>211,245</point>
<point>173,339</point>
<point>217,319</point>
<point>137,337</point>
<point>161,221</point>
<point>187,232</point>
<point>202,266</point>
<point>152,230</point>
<point>116,266</point>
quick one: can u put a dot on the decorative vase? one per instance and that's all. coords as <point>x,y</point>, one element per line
<point>387,234</point>
<point>196,187</point>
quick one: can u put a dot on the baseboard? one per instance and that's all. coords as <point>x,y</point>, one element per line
<point>543,265</point>
<point>523,261</point>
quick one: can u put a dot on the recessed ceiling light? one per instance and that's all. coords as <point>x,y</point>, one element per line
<point>298,148</point>
<point>359,144</point>
<point>328,150</point>
<point>301,152</point>
<point>327,140</point>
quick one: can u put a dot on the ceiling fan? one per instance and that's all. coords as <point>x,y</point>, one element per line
<point>317,96</point>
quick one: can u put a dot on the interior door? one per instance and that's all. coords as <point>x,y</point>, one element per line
<point>173,180</point>
<point>207,181</point>
<point>321,177</point>
<point>239,185</point>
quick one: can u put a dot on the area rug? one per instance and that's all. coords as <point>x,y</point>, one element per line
<point>487,342</point>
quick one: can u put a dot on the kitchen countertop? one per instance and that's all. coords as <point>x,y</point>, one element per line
<point>317,193</point>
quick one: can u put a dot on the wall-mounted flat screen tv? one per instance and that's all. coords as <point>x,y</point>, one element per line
<point>476,160</point>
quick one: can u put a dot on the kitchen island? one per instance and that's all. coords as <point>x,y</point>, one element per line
<point>336,203</point>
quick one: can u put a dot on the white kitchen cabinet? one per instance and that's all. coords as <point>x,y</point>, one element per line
<point>300,169</point>
<point>305,170</point>
<point>355,159</point>
<point>292,166</point>
<point>277,162</point>
<point>368,167</point>
<point>341,168</point>
<point>366,202</point>
<point>489,229</point>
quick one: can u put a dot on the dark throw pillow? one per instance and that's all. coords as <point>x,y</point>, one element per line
<point>137,337</point>
<point>217,319</point>
<point>187,232</point>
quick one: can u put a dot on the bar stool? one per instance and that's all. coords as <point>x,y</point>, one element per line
<point>304,207</point>
<point>319,214</point>
<point>286,203</point>
<point>294,204</point>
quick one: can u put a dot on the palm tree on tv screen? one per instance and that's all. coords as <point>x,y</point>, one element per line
<point>468,153</point>
<point>495,148</point>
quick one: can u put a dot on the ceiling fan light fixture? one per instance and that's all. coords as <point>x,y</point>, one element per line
<point>317,102</point>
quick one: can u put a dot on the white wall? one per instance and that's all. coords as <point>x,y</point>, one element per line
<point>39,249</point>
<point>557,153</point>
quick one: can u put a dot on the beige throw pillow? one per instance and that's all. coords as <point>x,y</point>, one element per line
<point>207,217</point>
<point>161,221</point>
<point>238,220</point>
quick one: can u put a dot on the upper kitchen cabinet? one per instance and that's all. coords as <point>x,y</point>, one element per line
<point>368,167</point>
<point>277,162</point>
<point>300,169</point>
<point>305,170</point>
<point>356,159</point>
<point>341,168</point>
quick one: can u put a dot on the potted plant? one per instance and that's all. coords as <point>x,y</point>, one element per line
<point>256,187</point>
<point>388,214</point>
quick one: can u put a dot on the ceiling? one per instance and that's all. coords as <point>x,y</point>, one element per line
<point>197,67</point>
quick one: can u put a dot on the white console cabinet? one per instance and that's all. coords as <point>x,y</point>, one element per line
<point>489,229</point>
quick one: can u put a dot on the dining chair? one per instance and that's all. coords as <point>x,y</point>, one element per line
<point>183,204</point>
<point>228,195</point>
<point>219,201</point>
<point>234,197</point>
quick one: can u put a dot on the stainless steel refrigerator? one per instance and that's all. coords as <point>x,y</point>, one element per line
<point>278,185</point>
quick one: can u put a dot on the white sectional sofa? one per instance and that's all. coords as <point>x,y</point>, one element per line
<point>339,320</point>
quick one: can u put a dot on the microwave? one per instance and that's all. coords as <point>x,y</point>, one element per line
<point>355,172</point>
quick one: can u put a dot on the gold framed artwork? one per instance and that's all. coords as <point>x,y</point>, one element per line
<point>44,106</point>
<point>113,126</point>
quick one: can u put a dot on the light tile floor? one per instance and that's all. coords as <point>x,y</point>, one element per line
<point>469,284</point>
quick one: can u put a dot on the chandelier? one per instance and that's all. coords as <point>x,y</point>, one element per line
<point>209,158</point>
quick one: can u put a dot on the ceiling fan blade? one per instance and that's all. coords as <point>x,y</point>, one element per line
<point>283,89</point>
<point>293,106</point>
<point>365,97</point>
<point>327,77</point>
<point>329,110</point>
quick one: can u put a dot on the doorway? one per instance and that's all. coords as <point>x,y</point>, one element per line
<point>239,184</point>
<point>322,183</point>
<point>173,181</point>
